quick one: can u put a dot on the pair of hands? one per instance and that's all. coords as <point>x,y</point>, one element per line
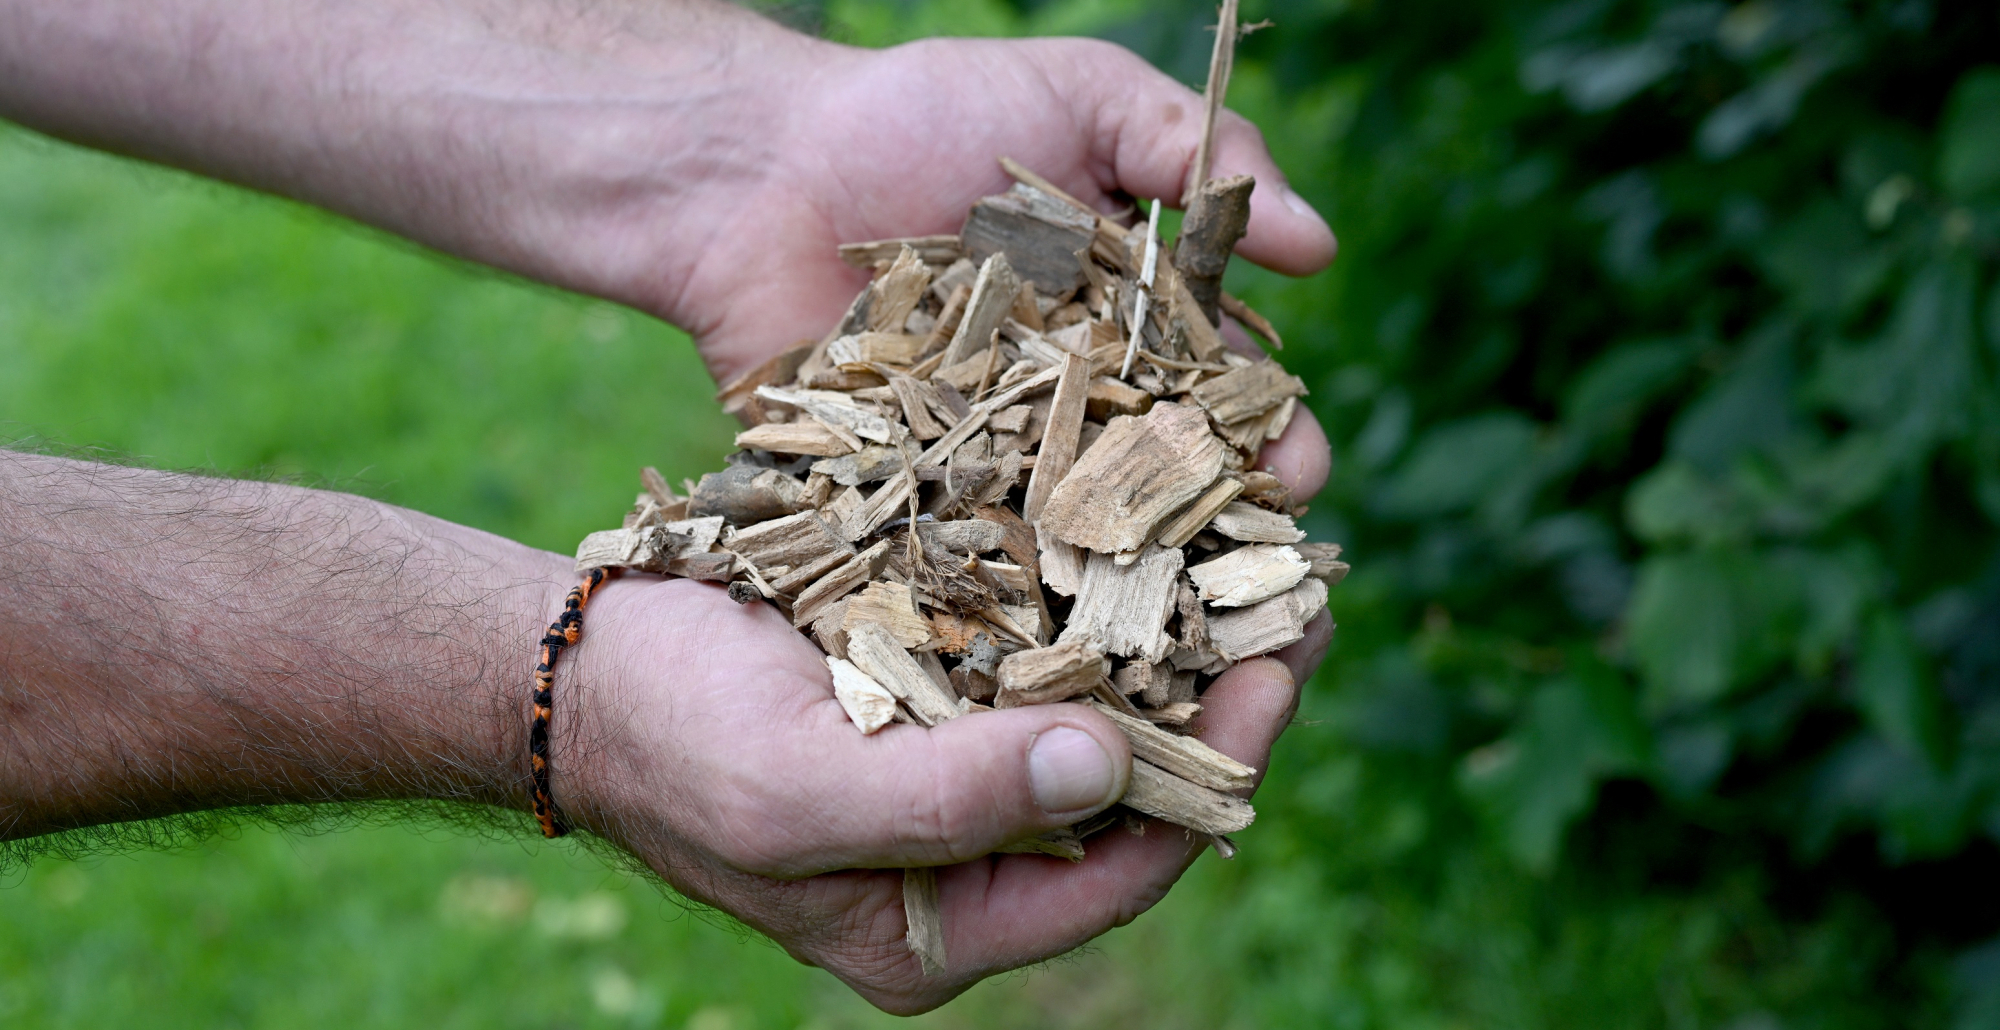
<point>702,164</point>
<point>716,750</point>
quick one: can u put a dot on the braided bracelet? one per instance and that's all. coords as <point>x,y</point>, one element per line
<point>565,631</point>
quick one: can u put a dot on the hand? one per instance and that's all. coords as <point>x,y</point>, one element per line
<point>706,740</point>
<point>848,145</point>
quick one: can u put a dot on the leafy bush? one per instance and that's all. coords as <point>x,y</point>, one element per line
<point>1662,365</point>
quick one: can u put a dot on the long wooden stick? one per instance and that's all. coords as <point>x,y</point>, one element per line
<point>1220,63</point>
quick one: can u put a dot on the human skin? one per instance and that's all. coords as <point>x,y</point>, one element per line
<point>184,644</point>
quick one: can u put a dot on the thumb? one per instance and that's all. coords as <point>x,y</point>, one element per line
<point>1146,128</point>
<point>909,796</point>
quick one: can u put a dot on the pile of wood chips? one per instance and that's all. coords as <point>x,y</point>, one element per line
<point>1020,471</point>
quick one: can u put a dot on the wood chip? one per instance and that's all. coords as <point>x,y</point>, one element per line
<point>746,495</point>
<point>1038,233</point>
<point>1192,519</point>
<point>1267,625</point>
<point>1247,392</point>
<point>934,250</point>
<point>1123,609</point>
<point>1059,440</point>
<point>868,703</point>
<point>896,294</point>
<point>874,650</point>
<point>894,608</point>
<point>992,297</point>
<point>1325,559</point>
<point>805,437</point>
<point>843,580</point>
<point>1163,795</point>
<point>925,937</point>
<point>1186,757</point>
<point>1248,575</point>
<point>1251,524</point>
<point>1139,473</point>
<point>1045,675</point>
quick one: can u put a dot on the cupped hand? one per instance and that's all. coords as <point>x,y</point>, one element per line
<point>707,741</point>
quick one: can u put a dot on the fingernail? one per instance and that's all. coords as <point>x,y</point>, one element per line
<point>1068,770</point>
<point>1298,205</point>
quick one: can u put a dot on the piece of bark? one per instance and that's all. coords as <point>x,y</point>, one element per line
<point>894,608</point>
<point>897,292</point>
<point>966,536</point>
<point>1194,618</point>
<point>712,568</point>
<point>1248,575</point>
<point>1123,609</point>
<point>868,703</point>
<point>744,495</point>
<point>1012,420</point>
<point>1163,795</point>
<point>1109,398</point>
<point>1017,539</point>
<point>875,651</point>
<point>1061,843</point>
<point>656,486</point>
<point>1039,234</point>
<point>1061,563</point>
<point>972,684</point>
<point>1325,559</point>
<point>1045,675</point>
<point>992,297</point>
<point>1140,472</point>
<point>1185,757</point>
<point>1182,527</point>
<point>1267,625</point>
<point>925,937</point>
<point>1247,392</point>
<point>916,398</point>
<point>792,541</point>
<point>738,396</point>
<point>1217,217</point>
<point>870,464</point>
<point>802,437</point>
<point>1251,524</point>
<point>886,347</point>
<point>835,410</point>
<point>1176,713</point>
<point>843,580</point>
<point>934,250</point>
<point>1058,452</point>
<point>1147,681</point>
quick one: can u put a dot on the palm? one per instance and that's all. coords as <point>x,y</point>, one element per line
<point>901,142</point>
<point>726,764</point>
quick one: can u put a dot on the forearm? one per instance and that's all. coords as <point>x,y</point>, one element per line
<point>507,131</point>
<point>183,643</point>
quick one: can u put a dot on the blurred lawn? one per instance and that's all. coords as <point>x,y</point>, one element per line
<point>178,324</point>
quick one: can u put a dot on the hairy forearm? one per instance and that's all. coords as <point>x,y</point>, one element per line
<point>183,643</point>
<point>507,131</point>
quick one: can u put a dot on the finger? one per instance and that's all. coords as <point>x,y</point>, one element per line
<point>1305,656</point>
<point>909,796</point>
<point>1015,909</point>
<point>1300,457</point>
<point>1146,128</point>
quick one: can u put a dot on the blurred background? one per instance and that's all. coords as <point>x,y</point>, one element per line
<point>1660,367</point>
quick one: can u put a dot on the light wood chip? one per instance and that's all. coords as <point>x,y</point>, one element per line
<point>1192,519</point>
<point>884,347</point>
<point>894,608</point>
<point>792,541</point>
<point>1248,575</point>
<point>1123,609</point>
<point>897,292</point>
<point>992,297</point>
<point>1267,625</point>
<point>875,651</point>
<point>1186,757</point>
<point>868,703</point>
<point>1137,474</point>
<point>1161,794</point>
<point>1059,439</point>
<point>843,580</point>
<point>1247,392</point>
<point>926,923</point>
<point>806,437</point>
<point>935,250</point>
<point>1045,675</point>
<point>1251,524</point>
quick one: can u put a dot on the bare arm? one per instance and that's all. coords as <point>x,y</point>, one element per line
<point>182,643</point>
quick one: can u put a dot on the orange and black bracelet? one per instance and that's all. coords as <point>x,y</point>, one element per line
<point>565,631</point>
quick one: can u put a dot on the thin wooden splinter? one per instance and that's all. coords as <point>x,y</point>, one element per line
<point>1145,289</point>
